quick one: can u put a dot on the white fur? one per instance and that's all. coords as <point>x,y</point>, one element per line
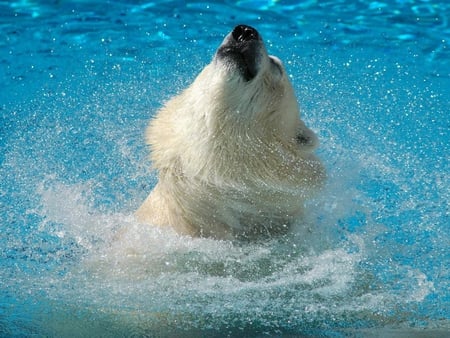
<point>228,158</point>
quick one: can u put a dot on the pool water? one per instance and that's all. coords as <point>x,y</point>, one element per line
<point>80,80</point>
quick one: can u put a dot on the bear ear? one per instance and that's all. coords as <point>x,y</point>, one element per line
<point>306,138</point>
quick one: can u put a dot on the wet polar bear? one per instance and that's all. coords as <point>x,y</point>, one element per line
<point>233,157</point>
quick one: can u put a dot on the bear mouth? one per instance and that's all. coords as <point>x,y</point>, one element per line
<point>242,49</point>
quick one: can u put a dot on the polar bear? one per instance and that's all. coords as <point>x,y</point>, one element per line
<point>233,157</point>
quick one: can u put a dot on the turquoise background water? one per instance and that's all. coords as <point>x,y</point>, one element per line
<point>80,80</point>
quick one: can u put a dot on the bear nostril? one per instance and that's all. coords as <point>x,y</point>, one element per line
<point>244,33</point>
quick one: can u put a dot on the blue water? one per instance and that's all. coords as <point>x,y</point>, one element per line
<point>80,80</point>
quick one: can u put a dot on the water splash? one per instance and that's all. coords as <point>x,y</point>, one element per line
<point>372,250</point>
<point>123,275</point>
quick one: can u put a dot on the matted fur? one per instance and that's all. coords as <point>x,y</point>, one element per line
<point>233,157</point>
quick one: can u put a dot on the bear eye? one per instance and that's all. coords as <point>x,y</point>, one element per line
<point>277,64</point>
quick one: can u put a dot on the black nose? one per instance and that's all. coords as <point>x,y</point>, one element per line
<point>244,33</point>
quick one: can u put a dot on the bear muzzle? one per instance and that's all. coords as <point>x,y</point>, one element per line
<point>244,49</point>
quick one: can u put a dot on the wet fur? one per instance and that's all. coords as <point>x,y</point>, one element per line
<point>233,157</point>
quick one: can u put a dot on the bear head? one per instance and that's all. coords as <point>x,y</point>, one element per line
<point>248,89</point>
<point>242,101</point>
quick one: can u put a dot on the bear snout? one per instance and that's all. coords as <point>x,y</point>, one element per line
<point>242,49</point>
<point>244,33</point>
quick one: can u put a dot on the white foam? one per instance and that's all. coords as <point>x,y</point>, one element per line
<point>139,271</point>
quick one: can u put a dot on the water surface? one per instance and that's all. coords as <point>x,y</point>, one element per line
<point>80,82</point>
